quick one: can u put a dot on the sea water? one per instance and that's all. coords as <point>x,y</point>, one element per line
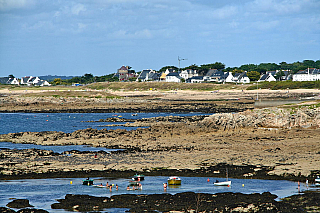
<point>43,192</point>
<point>68,122</point>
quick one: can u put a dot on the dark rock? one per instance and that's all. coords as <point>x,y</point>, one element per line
<point>200,202</point>
<point>32,211</point>
<point>19,203</point>
<point>6,210</point>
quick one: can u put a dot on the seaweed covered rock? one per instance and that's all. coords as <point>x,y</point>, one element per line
<point>187,201</point>
<point>19,203</point>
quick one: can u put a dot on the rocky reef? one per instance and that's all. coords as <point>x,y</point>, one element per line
<point>305,117</point>
<point>190,201</point>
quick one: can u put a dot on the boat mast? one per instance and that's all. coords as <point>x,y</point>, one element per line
<point>227,173</point>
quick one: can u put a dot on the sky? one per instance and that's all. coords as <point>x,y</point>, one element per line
<point>75,37</point>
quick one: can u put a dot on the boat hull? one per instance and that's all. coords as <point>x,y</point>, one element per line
<point>138,177</point>
<point>87,182</point>
<point>174,182</point>
<point>224,183</point>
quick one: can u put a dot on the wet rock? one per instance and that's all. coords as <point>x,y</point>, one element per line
<point>185,202</point>
<point>32,211</point>
<point>6,210</point>
<point>19,203</point>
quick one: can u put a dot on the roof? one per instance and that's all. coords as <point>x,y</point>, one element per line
<point>211,72</point>
<point>143,74</point>
<point>123,68</point>
<point>4,80</point>
<point>264,77</point>
<point>173,74</point>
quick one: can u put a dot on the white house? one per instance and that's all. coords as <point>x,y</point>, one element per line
<point>173,77</point>
<point>267,77</point>
<point>42,83</point>
<point>241,78</point>
<point>229,78</point>
<point>195,79</point>
<point>36,81</point>
<point>14,81</point>
<point>310,74</point>
<point>188,73</point>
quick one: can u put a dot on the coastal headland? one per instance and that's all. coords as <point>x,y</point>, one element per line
<point>279,142</point>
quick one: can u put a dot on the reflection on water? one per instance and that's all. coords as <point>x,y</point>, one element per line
<point>43,192</point>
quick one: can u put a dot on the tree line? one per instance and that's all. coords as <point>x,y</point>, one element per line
<point>253,71</point>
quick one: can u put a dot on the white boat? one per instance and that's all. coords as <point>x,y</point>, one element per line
<point>317,181</point>
<point>223,183</point>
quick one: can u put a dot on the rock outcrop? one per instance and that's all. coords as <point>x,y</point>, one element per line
<point>269,118</point>
<point>182,202</point>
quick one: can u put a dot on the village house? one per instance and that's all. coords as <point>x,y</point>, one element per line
<point>188,73</point>
<point>148,75</point>
<point>241,78</point>
<point>165,73</point>
<point>7,80</point>
<point>173,77</point>
<point>124,73</point>
<point>310,74</point>
<point>33,81</point>
<point>269,76</point>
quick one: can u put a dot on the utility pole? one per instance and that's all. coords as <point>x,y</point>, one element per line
<point>180,59</point>
<point>257,90</point>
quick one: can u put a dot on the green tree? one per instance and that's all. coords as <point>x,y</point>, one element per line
<point>253,75</point>
<point>309,63</point>
<point>248,67</point>
<point>163,69</point>
<point>237,71</point>
<point>57,81</point>
<point>192,67</point>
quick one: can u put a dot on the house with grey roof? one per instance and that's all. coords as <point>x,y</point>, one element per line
<point>195,79</point>
<point>214,75</point>
<point>269,76</point>
<point>241,78</point>
<point>173,77</point>
<point>33,81</point>
<point>148,75</point>
<point>188,73</point>
<point>7,80</point>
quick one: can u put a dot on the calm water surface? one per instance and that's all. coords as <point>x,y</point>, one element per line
<point>57,149</point>
<point>43,192</point>
<point>67,122</point>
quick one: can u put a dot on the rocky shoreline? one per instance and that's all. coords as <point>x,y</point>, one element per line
<point>190,201</point>
<point>272,143</point>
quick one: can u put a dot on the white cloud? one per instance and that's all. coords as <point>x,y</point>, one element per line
<point>76,9</point>
<point>15,4</point>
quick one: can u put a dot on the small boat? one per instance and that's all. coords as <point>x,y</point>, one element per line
<point>317,181</point>
<point>223,183</point>
<point>174,180</point>
<point>137,177</point>
<point>87,182</point>
<point>134,114</point>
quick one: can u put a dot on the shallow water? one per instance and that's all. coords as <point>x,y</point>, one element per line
<point>57,149</point>
<point>42,192</point>
<point>67,122</point>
